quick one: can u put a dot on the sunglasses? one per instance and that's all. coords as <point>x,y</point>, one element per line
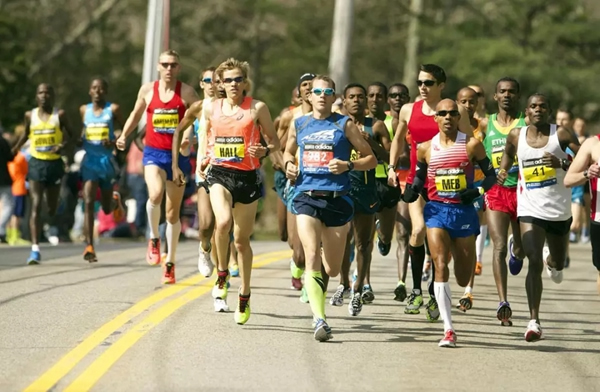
<point>444,113</point>
<point>167,65</point>
<point>326,91</point>
<point>397,95</point>
<point>427,82</point>
<point>207,80</point>
<point>238,79</point>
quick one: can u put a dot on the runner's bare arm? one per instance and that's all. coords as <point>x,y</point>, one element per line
<point>477,154</point>
<point>397,145</point>
<point>285,121</point>
<point>568,139</point>
<point>582,162</point>
<point>117,119</point>
<point>289,155</point>
<point>188,94</point>
<point>508,157</point>
<point>82,108</point>
<point>137,112</point>
<point>381,143</point>
<point>24,136</point>
<point>367,160</point>
<point>270,134</point>
<point>464,124</point>
<point>188,119</point>
<point>68,134</point>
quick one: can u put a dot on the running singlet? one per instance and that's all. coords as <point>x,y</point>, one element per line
<point>479,135</point>
<point>163,118</point>
<point>595,202</point>
<point>231,135</point>
<point>541,193</point>
<point>45,135</point>
<point>422,129</point>
<point>381,169</point>
<point>98,129</point>
<point>200,130</point>
<point>320,141</point>
<point>366,177</point>
<point>495,141</point>
<point>450,170</point>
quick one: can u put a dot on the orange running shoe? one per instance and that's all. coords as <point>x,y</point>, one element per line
<point>153,254</point>
<point>119,211</point>
<point>478,268</point>
<point>168,273</point>
<point>89,254</point>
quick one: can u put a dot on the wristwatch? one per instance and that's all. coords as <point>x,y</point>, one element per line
<point>391,167</point>
<point>585,173</point>
<point>350,165</point>
<point>564,164</point>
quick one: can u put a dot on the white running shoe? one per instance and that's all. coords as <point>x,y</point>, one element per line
<point>205,264</point>
<point>555,275</point>
<point>221,305</point>
<point>533,332</point>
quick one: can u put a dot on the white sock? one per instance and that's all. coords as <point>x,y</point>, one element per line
<point>172,234</point>
<point>444,300</point>
<point>480,242</point>
<point>153,218</point>
<point>468,289</point>
<point>35,248</point>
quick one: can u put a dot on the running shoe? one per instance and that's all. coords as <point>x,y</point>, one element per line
<point>296,276</point>
<point>219,290</point>
<point>533,332</point>
<point>304,296</point>
<point>514,263</point>
<point>414,303</point>
<point>89,254</point>
<point>432,310</point>
<point>119,210</point>
<point>337,299</point>
<point>168,273</point>
<point>355,305</point>
<point>478,268</point>
<point>35,257</point>
<point>465,302</point>
<point>242,311</point>
<point>322,331</point>
<point>504,314</point>
<point>553,273</point>
<point>205,264</point>
<point>400,292</point>
<point>449,339</point>
<point>367,294</point>
<point>426,271</point>
<point>153,253</point>
<point>383,248</point>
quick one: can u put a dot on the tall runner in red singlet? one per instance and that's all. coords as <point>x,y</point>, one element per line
<point>418,119</point>
<point>446,164</point>
<point>165,102</point>
<point>235,150</point>
<point>585,167</point>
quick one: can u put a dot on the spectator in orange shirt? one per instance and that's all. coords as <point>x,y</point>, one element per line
<point>18,172</point>
<point>5,185</point>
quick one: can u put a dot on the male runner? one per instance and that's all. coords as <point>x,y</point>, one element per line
<point>452,224</point>
<point>418,119</point>
<point>236,124</point>
<point>480,113</point>
<point>99,167</point>
<point>50,135</point>
<point>585,167</point>
<point>543,201</point>
<point>165,102</point>
<point>580,131</point>
<point>321,203</point>
<point>501,200</point>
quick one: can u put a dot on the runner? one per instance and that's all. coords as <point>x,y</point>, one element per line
<point>323,209</point>
<point>236,124</point>
<point>297,263</point>
<point>99,167</point>
<point>50,135</point>
<point>165,102</point>
<point>446,164</point>
<point>501,200</point>
<point>467,98</point>
<point>583,135</point>
<point>543,202</point>
<point>480,113</point>
<point>583,169</point>
<point>422,127</point>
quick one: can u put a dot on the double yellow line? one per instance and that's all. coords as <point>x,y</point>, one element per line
<point>109,357</point>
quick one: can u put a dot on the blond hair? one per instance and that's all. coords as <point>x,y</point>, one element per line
<point>170,52</point>
<point>326,79</point>
<point>231,64</point>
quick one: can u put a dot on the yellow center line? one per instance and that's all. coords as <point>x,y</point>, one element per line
<point>73,357</point>
<point>104,362</point>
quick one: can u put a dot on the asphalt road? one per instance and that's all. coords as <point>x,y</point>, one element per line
<point>66,325</point>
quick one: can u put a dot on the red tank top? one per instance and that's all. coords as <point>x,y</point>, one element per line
<point>231,136</point>
<point>163,118</point>
<point>422,129</point>
<point>450,170</point>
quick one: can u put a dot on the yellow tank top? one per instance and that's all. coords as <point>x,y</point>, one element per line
<point>45,135</point>
<point>381,169</point>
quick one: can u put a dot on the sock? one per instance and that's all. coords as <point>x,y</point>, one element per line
<point>417,260</point>
<point>315,290</point>
<point>153,218</point>
<point>296,272</point>
<point>468,290</point>
<point>430,288</point>
<point>173,232</point>
<point>480,242</point>
<point>444,300</point>
<point>35,248</point>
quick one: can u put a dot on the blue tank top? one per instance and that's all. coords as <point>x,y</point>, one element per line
<point>363,178</point>
<point>98,129</point>
<point>320,141</point>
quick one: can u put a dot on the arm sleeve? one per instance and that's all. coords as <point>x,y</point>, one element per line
<point>489,172</point>
<point>420,177</point>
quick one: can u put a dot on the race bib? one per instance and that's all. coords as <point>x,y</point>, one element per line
<point>316,157</point>
<point>537,175</point>
<point>96,135</point>
<point>497,153</point>
<point>449,182</point>
<point>165,120</point>
<point>44,140</point>
<point>229,148</point>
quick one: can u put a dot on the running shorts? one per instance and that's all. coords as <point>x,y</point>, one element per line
<point>457,219</point>
<point>551,227</point>
<point>577,195</point>
<point>49,173</point>
<point>103,169</point>
<point>365,198</point>
<point>478,203</point>
<point>19,206</point>
<point>244,186</point>
<point>280,182</point>
<point>388,196</point>
<point>595,240</point>
<point>503,199</point>
<point>163,159</point>
<point>331,211</point>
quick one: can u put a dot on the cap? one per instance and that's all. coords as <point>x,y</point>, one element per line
<point>306,76</point>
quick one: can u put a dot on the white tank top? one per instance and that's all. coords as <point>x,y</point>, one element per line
<point>595,201</point>
<point>541,192</point>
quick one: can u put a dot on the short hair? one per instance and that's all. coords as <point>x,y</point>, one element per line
<point>249,87</point>
<point>565,109</point>
<point>170,52</point>
<point>545,97</point>
<point>509,79</point>
<point>102,80</point>
<point>354,85</point>
<point>205,70</point>
<point>231,64</point>
<point>401,85</point>
<point>380,85</point>
<point>435,70</point>
<point>326,79</point>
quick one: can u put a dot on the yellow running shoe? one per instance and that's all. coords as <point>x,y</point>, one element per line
<point>242,311</point>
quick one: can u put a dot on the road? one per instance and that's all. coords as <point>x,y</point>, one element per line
<point>69,326</point>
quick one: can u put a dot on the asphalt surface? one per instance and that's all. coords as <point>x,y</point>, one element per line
<point>68,325</point>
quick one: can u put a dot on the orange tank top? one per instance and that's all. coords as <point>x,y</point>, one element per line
<point>231,135</point>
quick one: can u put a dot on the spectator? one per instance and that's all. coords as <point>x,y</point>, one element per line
<point>6,199</point>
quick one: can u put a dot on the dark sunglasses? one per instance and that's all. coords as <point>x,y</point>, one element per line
<point>398,95</point>
<point>444,113</point>
<point>167,65</point>
<point>207,80</point>
<point>427,82</point>
<point>326,91</point>
<point>238,79</point>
